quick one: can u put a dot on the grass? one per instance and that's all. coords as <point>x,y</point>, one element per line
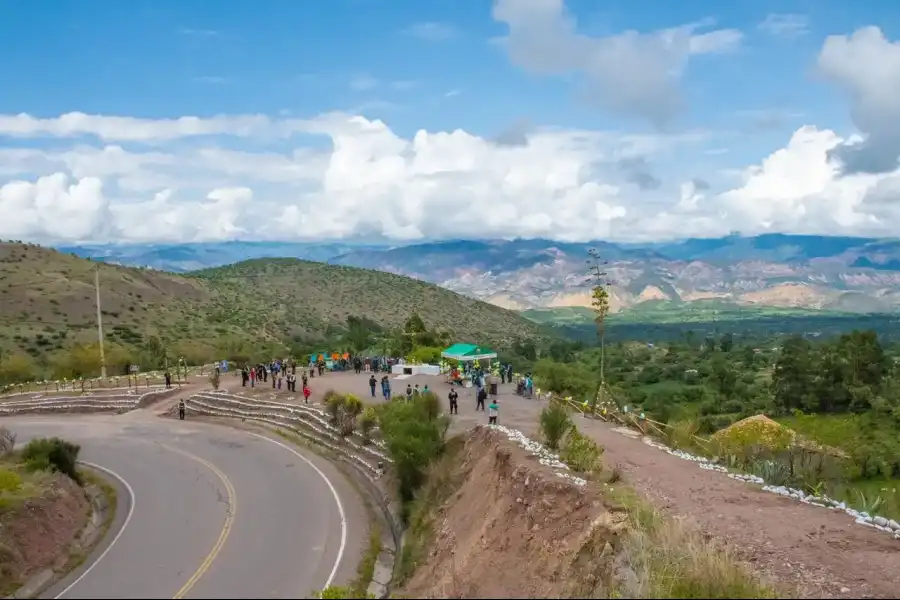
<point>366,568</point>
<point>17,484</point>
<point>49,305</point>
<point>848,432</point>
<point>662,558</point>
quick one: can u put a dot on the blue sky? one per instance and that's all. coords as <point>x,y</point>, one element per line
<point>165,58</point>
<point>437,65</point>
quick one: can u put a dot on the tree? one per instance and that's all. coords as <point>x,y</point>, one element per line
<point>727,342</point>
<point>359,334</point>
<point>793,379</point>
<point>16,367</point>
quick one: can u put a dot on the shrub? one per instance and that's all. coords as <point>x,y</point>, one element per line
<point>414,437</point>
<point>332,402</point>
<point>350,408</point>
<point>214,379</point>
<point>367,421</point>
<point>580,452</point>
<point>10,481</point>
<point>337,592</point>
<point>555,423</point>
<point>342,411</point>
<point>52,454</point>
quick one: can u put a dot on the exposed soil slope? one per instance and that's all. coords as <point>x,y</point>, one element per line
<point>39,533</point>
<point>514,529</point>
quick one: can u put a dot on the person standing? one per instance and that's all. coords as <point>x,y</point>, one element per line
<point>181,410</point>
<point>480,398</point>
<point>372,384</point>
<point>454,405</point>
<point>493,412</point>
<point>409,393</point>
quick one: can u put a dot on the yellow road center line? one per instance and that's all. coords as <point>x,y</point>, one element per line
<point>226,528</point>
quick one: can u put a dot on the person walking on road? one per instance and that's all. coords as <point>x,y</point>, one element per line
<point>372,383</point>
<point>306,394</point>
<point>181,409</point>
<point>409,393</point>
<point>480,398</point>
<point>454,405</point>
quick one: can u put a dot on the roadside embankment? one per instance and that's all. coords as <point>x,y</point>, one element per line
<point>50,520</point>
<point>500,517</point>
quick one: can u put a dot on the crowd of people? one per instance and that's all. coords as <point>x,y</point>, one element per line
<point>284,374</point>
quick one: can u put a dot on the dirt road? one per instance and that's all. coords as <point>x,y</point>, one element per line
<point>820,553</point>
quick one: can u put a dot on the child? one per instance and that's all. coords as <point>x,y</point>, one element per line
<point>493,412</point>
<point>306,393</point>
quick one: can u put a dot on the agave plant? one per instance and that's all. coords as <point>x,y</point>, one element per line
<point>869,506</point>
<point>772,472</point>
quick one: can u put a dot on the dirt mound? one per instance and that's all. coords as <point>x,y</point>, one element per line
<point>762,429</point>
<point>38,533</point>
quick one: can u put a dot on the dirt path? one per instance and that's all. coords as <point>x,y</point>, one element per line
<point>821,553</point>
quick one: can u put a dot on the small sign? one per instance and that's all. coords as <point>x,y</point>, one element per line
<point>134,369</point>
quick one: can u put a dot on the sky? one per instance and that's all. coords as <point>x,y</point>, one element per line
<point>154,121</point>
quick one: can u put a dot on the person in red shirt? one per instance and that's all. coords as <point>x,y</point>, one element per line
<point>306,394</point>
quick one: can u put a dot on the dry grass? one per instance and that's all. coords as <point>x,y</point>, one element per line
<point>662,557</point>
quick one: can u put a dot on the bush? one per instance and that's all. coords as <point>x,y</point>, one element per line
<point>52,454</point>
<point>367,421</point>
<point>10,481</point>
<point>555,423</point>
<point>337,592</point>
<point>414,436</point>
<point>342,411</point>
<point>332,401</point>
<point>580,452</point>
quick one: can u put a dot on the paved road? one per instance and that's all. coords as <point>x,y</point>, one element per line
<point>206,511</point>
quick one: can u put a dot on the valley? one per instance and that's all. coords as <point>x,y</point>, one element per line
<point>774,271</point>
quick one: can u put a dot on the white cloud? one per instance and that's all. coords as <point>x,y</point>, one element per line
<point>786,26</point>
<point>866,67</point>
<point>557,183</point>
<point>112,128</point>
<point>631,74</point>
<point>433,31</point>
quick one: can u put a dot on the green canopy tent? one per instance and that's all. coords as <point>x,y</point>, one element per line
<point>468,353</point>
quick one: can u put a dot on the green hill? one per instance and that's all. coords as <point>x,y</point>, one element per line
<point>47,307</point>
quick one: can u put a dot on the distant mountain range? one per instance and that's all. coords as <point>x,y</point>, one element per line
<point>845,274</point>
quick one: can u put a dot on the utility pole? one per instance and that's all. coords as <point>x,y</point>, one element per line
<point>99,321</point>
<point>600,304</point>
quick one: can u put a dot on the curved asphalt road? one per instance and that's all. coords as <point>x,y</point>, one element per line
<point>216,512</point>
